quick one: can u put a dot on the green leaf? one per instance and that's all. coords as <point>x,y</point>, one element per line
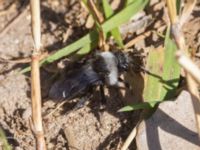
<point>162,81</point>
<point>124,15</point>
<point>86,49</point>
<point>89,38</point>
<point>115,32</point>
<point>74,47</point>
<point>128,2</point>
<point>172,70</point>
<point>178,6</point>
<point>84,2</point>
<point>113,22</point>
<point>145,105</point>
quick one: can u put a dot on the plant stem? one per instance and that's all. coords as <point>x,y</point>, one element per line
<point>35,22</point>
<point>171,4</point>
<point>35,77</point>
<point>36,103</point>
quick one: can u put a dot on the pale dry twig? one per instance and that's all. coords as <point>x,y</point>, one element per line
<point>36,121</point>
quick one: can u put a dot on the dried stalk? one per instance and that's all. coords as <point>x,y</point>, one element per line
<point>98,16</point>
<point>130,137</point>
<point>36,103</point>
<point>188,8</point>
<point>189,66</point>
<point>141,37</point>
<point>35,77</point>
<point>171,4</point>
<point>180,42</point>
<point>137,39</point>
<point>35,22</point>
<point>96,13</point>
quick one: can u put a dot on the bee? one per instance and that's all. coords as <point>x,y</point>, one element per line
<point>104,69</point>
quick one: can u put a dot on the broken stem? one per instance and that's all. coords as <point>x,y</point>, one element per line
<point>188,66</point>
<point>130,138</point>
<point>36,103</point>
<point>171,4</point>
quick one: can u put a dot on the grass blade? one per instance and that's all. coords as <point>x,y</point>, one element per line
<point>145,105</point>
<point>81,43</point>
<point>86,49</point>
<point>115,32</point>
<point>124,15</point>
<point>172,70</point>
<point>128,2</point>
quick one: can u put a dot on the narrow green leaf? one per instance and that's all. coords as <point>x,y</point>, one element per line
<point>128,2</point>
<point>107,9</point>
<point>164,75</point>
<point>115,32</point>
<point>172,70</point>
<point>86,49</point>
<point>84,2</point>
<point>124,15</point>
<point>117,36</point>
<point>145,105</point>
<point>178,6</point>
<point>89,38</point>
<point>84,41</point>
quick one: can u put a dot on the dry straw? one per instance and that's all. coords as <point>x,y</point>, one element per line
<point>36,122</point>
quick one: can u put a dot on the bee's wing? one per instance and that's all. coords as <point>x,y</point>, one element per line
<point>78,82</point>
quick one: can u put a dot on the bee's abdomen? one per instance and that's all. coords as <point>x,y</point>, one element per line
<point>75,84</point>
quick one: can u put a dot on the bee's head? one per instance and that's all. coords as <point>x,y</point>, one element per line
<point>122,61</point>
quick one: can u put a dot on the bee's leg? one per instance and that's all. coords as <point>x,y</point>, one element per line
<point>82,102</point>
<point>103,97</point>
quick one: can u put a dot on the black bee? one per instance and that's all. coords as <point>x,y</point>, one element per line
<point>103,69</point>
